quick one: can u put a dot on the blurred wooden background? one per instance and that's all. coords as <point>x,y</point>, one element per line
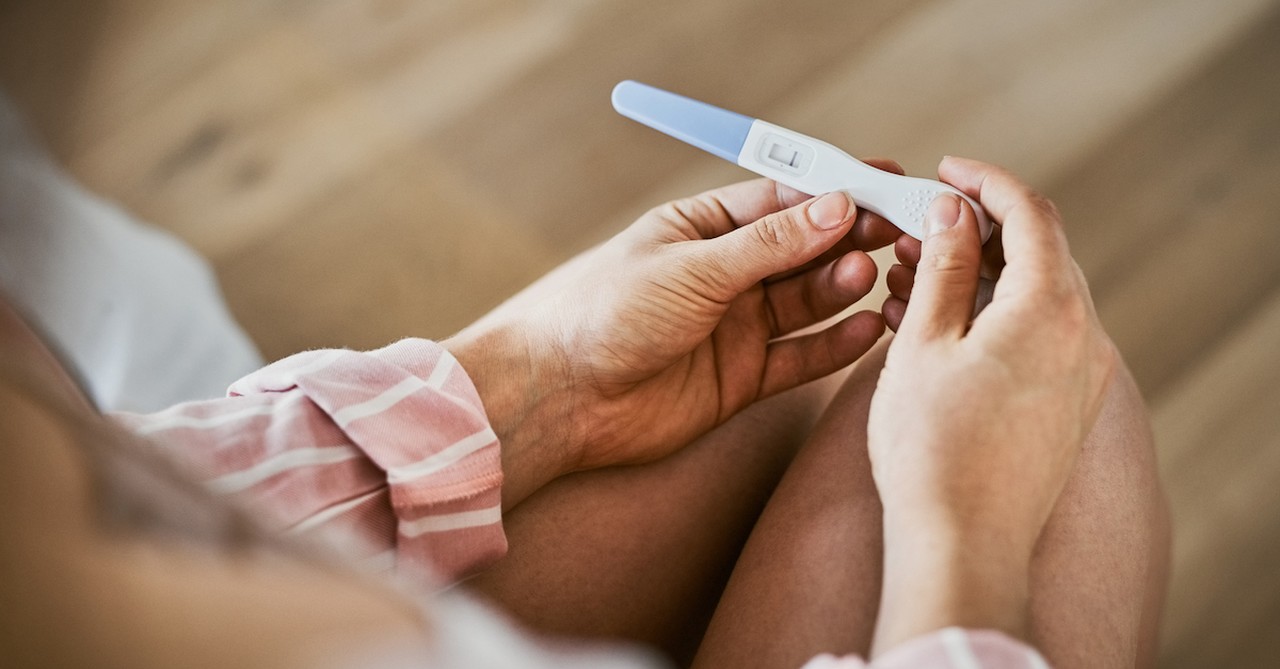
<point>360,171</point>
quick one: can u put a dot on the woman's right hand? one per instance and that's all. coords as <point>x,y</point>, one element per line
<point>976,421</point>
<point>673,326</point>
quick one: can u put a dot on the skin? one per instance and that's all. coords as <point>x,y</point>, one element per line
<point>620,459</point>
<point>809,578</point>
<point>1132,524</point>
<point>955,547</point>
<point>673,327</point>
<point>736,330</point>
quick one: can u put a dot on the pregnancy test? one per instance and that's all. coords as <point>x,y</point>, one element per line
<point>806,164</point>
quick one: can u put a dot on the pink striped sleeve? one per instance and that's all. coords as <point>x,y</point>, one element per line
<point>950,648</point>
<point>388,452</point>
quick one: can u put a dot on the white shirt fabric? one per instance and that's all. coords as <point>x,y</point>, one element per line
<point>134,310</point>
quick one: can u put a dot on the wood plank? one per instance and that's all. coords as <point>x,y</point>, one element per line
<point>1028,118</point>
<point>268,160</point>
<point>1219,435</point>
<point>1037,88</point>
<point>403,253</point>
<point>554,149</point>
<point>362,171</point>
<point>1173,221</point>
<point>85,69</point>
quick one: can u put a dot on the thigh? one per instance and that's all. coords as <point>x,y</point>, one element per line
<point>1099,574</point>
<point>642,553</point>
<point>808,580</point>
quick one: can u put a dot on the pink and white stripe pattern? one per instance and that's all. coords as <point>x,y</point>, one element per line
<point>388,452</point>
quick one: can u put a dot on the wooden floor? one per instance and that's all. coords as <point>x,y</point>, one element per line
<point>359,171</point>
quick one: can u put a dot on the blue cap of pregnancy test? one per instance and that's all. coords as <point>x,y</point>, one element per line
<point>712,129</point>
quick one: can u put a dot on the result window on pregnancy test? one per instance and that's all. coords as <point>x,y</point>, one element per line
<point>786,155</point>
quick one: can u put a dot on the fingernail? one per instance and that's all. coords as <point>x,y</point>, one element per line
<point>943,213</point>
<point>830,210</point>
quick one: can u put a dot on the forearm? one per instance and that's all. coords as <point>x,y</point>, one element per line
<point>948,577</point>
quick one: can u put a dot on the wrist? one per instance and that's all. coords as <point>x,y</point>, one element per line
<point>951,575</point>
<point>964,518</point>
<point>524,389</point>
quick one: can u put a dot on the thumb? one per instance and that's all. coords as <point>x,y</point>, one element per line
<point>946,282</point>
<point>778,242</point>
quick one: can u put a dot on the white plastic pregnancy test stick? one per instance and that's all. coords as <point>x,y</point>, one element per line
<point>799,161</point>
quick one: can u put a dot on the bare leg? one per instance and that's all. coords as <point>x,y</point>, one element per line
<point>643,553</point>
<point>809,578</point>
<point>1101,568</point>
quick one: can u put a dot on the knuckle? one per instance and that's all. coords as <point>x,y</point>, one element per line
<point>1037,207</point>
<point>774,231</point>
<point>1046,206</point>
<point>669,211</point>
<point>710,270</point>
<point>947,261</point>
<point>687,209</point>
<point>1043,207</point>
<point>708,265</point>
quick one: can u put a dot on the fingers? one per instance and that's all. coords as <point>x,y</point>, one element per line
<point>893,310</point>
<point>719,211</point>
<point>900,279</point>
<point>946,279</point>
<point>870,232</point>
<point>1031,228</point>
<point>820,293</point>
<point>722,210</point>
<point>907,250</point>
<point>780,241</point>
<point>993,254</point>
<point>885,165</point>
<point>792,362</point>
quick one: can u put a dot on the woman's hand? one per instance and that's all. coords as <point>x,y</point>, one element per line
<point>976,421</point>
<point>673,326</point>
